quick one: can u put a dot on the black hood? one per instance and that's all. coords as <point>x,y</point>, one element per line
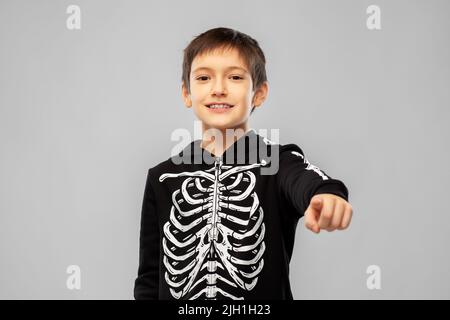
<point>249,148</point>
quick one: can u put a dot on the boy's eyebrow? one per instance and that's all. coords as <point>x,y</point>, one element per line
<point>228,68</point>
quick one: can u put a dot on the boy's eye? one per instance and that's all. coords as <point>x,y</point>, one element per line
<point>204,78</point>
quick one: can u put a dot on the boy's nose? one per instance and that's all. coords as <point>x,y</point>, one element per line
<point>219,89</point>
<point>219,93</point>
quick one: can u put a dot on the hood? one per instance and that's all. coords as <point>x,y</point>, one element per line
<point>249,148</point>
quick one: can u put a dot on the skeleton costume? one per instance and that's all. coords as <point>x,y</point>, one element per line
<point>218,228</point>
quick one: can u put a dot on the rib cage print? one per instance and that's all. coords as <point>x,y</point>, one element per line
<point>214,240</point>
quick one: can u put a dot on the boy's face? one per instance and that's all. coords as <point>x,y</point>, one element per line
<point>222,76</point>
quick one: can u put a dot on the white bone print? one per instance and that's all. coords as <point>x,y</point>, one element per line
<point>215,233</point>
<point>310,166</point>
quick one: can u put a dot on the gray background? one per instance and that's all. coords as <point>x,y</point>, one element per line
<point>85,113</point>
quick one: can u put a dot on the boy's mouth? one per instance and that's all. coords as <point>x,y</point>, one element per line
<point>219,106</point>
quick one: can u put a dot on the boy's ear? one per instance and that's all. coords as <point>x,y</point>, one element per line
<point>185,95</point>
<point>260,94</point>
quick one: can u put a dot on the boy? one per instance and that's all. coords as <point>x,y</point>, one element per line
<point>216,229</point>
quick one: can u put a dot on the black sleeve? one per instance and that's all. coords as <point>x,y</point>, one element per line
<point>299,180</point>
<point>147,282</point>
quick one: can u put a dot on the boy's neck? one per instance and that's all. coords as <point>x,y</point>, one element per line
<point>229,136</point>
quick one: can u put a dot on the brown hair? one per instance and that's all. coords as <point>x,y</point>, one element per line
<point>216,38</point>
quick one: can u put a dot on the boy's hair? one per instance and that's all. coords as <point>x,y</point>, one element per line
<point>224,38</point>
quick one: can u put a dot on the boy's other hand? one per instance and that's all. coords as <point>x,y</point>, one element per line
<point>328,211</point>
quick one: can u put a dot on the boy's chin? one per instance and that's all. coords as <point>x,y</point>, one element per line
<point>220,123</point>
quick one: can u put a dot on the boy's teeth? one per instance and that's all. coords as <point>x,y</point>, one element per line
<point>217,106</point>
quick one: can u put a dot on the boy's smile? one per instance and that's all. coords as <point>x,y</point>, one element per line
<point>219,107</point>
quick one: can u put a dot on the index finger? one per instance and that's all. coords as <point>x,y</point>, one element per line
<point>326,213</point>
